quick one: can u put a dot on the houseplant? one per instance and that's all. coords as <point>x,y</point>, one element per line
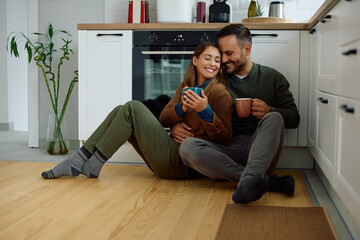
<point>46,57</point>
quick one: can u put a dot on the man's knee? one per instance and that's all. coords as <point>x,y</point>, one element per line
<point>274,119</point>
<point>187,147</point>
<point>274,116</point>
<point>189,151</point>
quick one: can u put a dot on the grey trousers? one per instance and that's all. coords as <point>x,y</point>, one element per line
<point>246,156</point>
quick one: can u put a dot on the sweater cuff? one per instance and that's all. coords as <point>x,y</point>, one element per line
<point>179,111</point>
<point>207,114</point>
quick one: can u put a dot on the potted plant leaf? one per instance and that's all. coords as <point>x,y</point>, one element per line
<point>44,53</point>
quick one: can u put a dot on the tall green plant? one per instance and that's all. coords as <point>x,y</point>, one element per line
<point>43,53</point>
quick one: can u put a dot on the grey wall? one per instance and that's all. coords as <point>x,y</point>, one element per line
<point>4,110</point>
<point>65,15</point>
<point>13,76</point>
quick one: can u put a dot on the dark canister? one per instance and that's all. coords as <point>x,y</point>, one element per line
<point>219,11</point>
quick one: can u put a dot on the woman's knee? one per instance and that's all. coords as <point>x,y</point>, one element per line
<point>117,108</point>
<point>134,107</point>
<point>133,104</point>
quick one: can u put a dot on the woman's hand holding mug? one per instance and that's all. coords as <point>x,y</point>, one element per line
<point>194,101</point>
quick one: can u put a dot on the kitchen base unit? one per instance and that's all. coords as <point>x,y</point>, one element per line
<point>104,76</point>
<point>347,177</point>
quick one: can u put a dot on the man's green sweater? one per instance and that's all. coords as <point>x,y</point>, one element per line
<point>268,85</point>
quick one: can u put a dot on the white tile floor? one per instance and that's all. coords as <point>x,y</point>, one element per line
<point>13,146</point>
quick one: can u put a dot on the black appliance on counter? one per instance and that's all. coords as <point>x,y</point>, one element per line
<point>161,59</point>
<point>219,11</point>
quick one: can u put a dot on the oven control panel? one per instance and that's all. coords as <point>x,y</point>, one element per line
<point>181,38</point>
<point>153,39</point>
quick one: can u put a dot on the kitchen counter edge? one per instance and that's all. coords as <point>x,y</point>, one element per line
<point>325,7</point>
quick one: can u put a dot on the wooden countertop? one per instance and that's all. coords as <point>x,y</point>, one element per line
<point>325,7</point>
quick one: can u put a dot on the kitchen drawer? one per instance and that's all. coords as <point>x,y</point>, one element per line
<point>271,35</point>
<point>326,134</point>
<point>348,163</point>
<point>328,58</point>
<point>350,21</point>
<point>350,70</point>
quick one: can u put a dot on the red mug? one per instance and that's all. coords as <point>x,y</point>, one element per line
<point>243,107</point>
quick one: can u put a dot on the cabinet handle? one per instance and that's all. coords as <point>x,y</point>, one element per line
<point>109,34</point>
<point>347,109</point>
<point>312,31</point>
<point>326,17</point>
<point>322,100</point>
<point>265,35</point>
<point>350,52</point>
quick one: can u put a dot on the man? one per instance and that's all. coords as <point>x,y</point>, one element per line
<point>257,140</point>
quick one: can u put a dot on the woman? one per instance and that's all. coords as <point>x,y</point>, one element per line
<point>209,117</point>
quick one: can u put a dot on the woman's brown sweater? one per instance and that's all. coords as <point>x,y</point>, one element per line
<point>219,130</point>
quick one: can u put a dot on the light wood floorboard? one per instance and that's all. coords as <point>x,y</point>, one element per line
<point>125,202</point>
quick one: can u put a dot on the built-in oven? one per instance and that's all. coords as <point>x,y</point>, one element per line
<point>161,59</point>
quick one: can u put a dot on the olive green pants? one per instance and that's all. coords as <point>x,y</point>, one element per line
<point>133,122</point>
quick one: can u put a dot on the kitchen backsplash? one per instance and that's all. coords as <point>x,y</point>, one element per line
<point>116,11</point>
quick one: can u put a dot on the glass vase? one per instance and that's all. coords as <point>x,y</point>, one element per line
<point>55,142</point>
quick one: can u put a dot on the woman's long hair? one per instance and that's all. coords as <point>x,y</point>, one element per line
<point>191,73</point>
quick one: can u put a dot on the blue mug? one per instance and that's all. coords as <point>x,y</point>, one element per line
<point>194,89</point>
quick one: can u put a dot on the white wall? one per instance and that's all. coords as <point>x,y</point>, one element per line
<point>297,10</point>
<point>4,110</point>
<point>16,20</point>
<point>65,15</point>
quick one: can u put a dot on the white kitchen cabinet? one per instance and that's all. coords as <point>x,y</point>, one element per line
<point>312,115</point>
<point>350,70</point>
<point>281,51</point>
<point>348,164</point>
<point>337,127</point>
<point>105,76</point>
<point>326,109</point>
<point>328,48</point>
<point>350,20</point>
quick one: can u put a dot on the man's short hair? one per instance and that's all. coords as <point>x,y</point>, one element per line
<point>241,32</point>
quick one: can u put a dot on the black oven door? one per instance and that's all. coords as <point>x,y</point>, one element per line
<point>159,70</point>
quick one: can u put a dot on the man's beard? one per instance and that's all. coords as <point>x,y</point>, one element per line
<point>237,68</point>
<point>239,65</point>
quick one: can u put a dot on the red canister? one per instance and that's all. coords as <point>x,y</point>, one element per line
<point>138,11</point>
<point>201,12</point>
<point>130,13</point>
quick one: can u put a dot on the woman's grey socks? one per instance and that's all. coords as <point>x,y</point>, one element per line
<point>92,167</point>
<point>80,162</point>
<point>70,167</point>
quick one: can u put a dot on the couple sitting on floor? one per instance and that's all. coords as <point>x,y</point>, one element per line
<point>207,136</point>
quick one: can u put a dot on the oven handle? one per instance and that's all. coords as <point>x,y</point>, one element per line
<point>167,52</point>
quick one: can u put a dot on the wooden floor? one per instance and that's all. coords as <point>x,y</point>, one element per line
<point>126,202</point>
